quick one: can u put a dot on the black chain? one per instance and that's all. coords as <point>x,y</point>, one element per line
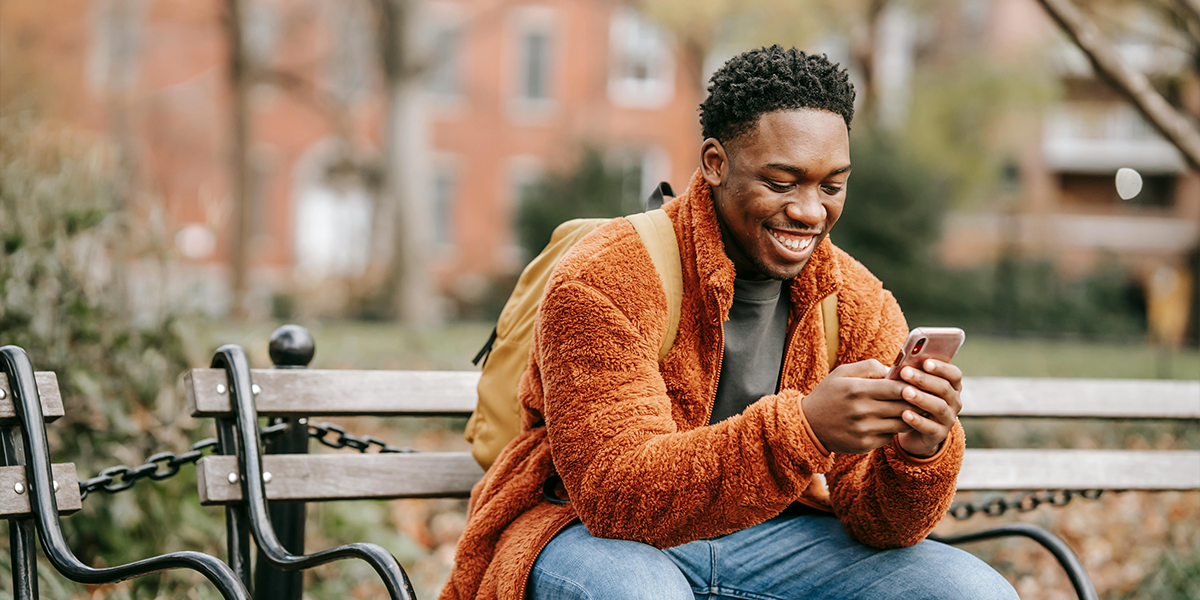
<point>346,440</point>
<point>158,467</point>
<point>1024,502</point>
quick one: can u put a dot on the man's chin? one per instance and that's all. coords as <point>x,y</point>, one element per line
<point>780,272</point>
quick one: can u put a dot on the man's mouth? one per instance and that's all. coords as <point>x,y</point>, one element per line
<point>792,241</point>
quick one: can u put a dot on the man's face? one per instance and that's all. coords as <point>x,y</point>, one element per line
<point>778,189</point>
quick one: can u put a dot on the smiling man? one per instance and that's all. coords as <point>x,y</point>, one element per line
<point>699,477</point>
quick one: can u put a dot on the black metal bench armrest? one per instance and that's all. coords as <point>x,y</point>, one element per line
<point>1061,551</point>
<point>15,363</point>
<point>233,360</point>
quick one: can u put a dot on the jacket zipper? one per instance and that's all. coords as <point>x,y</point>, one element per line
<point>712,398</point>
<point>541,545</point>
<point>787,352</point>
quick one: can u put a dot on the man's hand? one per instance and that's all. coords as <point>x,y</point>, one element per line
<point>936,398</point>
<point>855,410</point>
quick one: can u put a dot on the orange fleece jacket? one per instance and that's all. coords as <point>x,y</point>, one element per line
<point>630,437</point>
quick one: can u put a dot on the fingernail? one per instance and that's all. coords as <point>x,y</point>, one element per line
<point>930,365</point>
<point>906,372</point>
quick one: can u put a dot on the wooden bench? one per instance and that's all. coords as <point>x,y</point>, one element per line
<point>290,396</point>
<point>34,494</point>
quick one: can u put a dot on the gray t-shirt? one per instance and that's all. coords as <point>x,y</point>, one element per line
<point>755,335</point>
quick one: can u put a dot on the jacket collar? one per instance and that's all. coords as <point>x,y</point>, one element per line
<point>821,276</point>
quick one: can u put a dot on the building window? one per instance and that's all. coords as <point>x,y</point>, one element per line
<point>445,51</point>
<point>642,67</point>
<point>1099,190</point>
<point>534,80</point>
<point>445,188</point>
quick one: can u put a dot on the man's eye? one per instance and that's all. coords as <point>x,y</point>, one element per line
<point>832,190</point>
<point>780,187</point>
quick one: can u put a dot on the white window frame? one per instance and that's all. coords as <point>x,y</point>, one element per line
<point>631,35</point>
<point>524,21</point>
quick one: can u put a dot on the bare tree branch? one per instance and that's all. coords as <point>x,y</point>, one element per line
<point>1173,124</point>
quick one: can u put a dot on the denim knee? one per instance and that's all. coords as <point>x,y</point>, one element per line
<point>955,574</point>
<point>577,566</point>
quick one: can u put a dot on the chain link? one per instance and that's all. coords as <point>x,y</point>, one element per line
<point>158,467</point>
<point>346,440</point>
<point>1023,503</point>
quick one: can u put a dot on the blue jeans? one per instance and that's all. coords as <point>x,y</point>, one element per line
<point>793,556</point>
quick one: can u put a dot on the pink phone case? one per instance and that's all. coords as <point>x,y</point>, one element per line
<point>939,343</point>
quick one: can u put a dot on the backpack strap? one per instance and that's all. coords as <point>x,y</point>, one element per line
<point>658,235</point>
<point>829,321</point>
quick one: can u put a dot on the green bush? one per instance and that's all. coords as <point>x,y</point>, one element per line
<point>60,300</point>
<point>592,188</point>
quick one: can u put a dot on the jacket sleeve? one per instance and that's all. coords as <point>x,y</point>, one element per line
<point>628,469</point>
<point>888,498</point>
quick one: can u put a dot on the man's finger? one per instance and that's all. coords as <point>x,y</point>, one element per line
<point>922,425</point>
<point>945,370</point>
<point>865,369</point>
<point>931,383</point>
<point>937,407</point>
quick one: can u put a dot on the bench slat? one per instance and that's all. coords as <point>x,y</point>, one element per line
<point>47,386</point>
<point>1026,469</point>
<point>381,476</point>
<point>317,392</point>
<point>313,477</point>
<point>13,504</point>
<point>313,392</point>
<point>1102,398</point>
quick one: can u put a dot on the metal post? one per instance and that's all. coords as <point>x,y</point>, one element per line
<point>21,533</point>
<point>291,347</point>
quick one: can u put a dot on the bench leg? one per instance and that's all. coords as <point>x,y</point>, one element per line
<point>21,534</point>
<point>1061,551</point>
<point>288,520</point>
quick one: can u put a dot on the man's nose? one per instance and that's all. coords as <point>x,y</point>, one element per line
<point>807,208</point>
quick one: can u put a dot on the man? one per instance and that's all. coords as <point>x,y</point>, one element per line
<point>697,477</point>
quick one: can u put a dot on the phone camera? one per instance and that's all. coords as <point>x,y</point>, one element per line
<point>918,346</point>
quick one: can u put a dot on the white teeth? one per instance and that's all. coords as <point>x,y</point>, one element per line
<point>793,244</point>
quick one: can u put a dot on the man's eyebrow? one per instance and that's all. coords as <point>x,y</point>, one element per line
<point>794,170</point>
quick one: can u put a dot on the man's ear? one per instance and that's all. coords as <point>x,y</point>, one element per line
<point>714,162</point>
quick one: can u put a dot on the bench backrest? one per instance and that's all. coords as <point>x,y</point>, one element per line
<point>314,393</point>
<point>14,499</point>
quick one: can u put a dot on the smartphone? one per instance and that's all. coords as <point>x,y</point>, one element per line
<point>938,343</point>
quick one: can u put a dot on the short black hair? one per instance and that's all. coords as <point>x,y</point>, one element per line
<point>769,79</point>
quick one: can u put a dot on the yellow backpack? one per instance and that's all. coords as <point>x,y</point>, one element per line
<point>497,417</point>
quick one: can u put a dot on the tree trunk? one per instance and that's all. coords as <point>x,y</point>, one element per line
<point>407,288</point>
<point>243,208</point>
